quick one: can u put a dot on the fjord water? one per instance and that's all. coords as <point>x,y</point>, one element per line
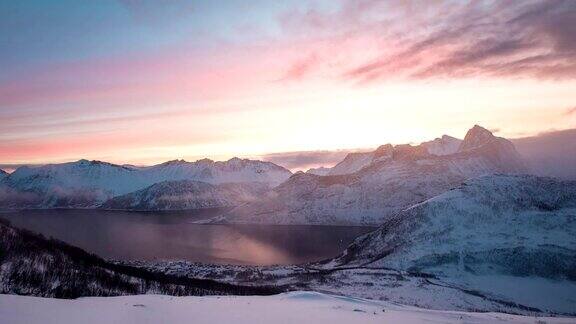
<point>173,236</point>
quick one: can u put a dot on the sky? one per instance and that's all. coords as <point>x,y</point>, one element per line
<point>143,82</point>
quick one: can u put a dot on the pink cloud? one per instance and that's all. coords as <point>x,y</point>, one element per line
<point>96,144</point>
<point>174,75</point>
<point>442,39</point>
<point>300,68</point>
<point>570,111</point>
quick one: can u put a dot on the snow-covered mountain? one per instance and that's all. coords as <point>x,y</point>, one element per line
<point>206,170</point>
<point>485,235</point>
<point>395,178</point>
<point>80,184</point>
<point>89,183</point>
<point>364,188</point>
<point>354,162</point>
<point>188,194</point>
<point>475,138</point>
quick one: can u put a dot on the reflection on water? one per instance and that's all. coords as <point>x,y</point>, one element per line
<point>172,236</point>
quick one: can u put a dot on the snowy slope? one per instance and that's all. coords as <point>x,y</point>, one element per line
<point>396,178</point>
<point>352,162</point>
<point>395,286</point>
<point>483,213</point>
<point>293,307</point>
<point>489,233</point>
<point>188,194</point>
<point>89,183</point>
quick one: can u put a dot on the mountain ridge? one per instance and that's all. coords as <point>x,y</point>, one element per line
<point>395,178</point>
<point>89,183</point>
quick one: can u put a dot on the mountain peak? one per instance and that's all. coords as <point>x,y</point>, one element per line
<point>448,138</point>
<point>386,150</point>
<point>476,137</point>
<point>205,160</point>
<point>478,130</point>
<point>92,162</point>
<point>235,160</point>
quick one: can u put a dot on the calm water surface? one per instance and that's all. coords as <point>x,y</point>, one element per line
<point>172,236</point>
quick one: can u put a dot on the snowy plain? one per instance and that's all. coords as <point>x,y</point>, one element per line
<point>294,307</point>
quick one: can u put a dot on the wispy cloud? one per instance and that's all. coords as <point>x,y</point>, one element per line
<point>300,68</point>
<point>445,39</point>
<point>570,111</point>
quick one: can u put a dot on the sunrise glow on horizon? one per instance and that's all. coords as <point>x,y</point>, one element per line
<point>146,82</point>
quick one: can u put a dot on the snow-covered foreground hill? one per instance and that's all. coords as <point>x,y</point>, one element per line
<point>490,235</point>
<point>294,307</point>
<point>483,219</point>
